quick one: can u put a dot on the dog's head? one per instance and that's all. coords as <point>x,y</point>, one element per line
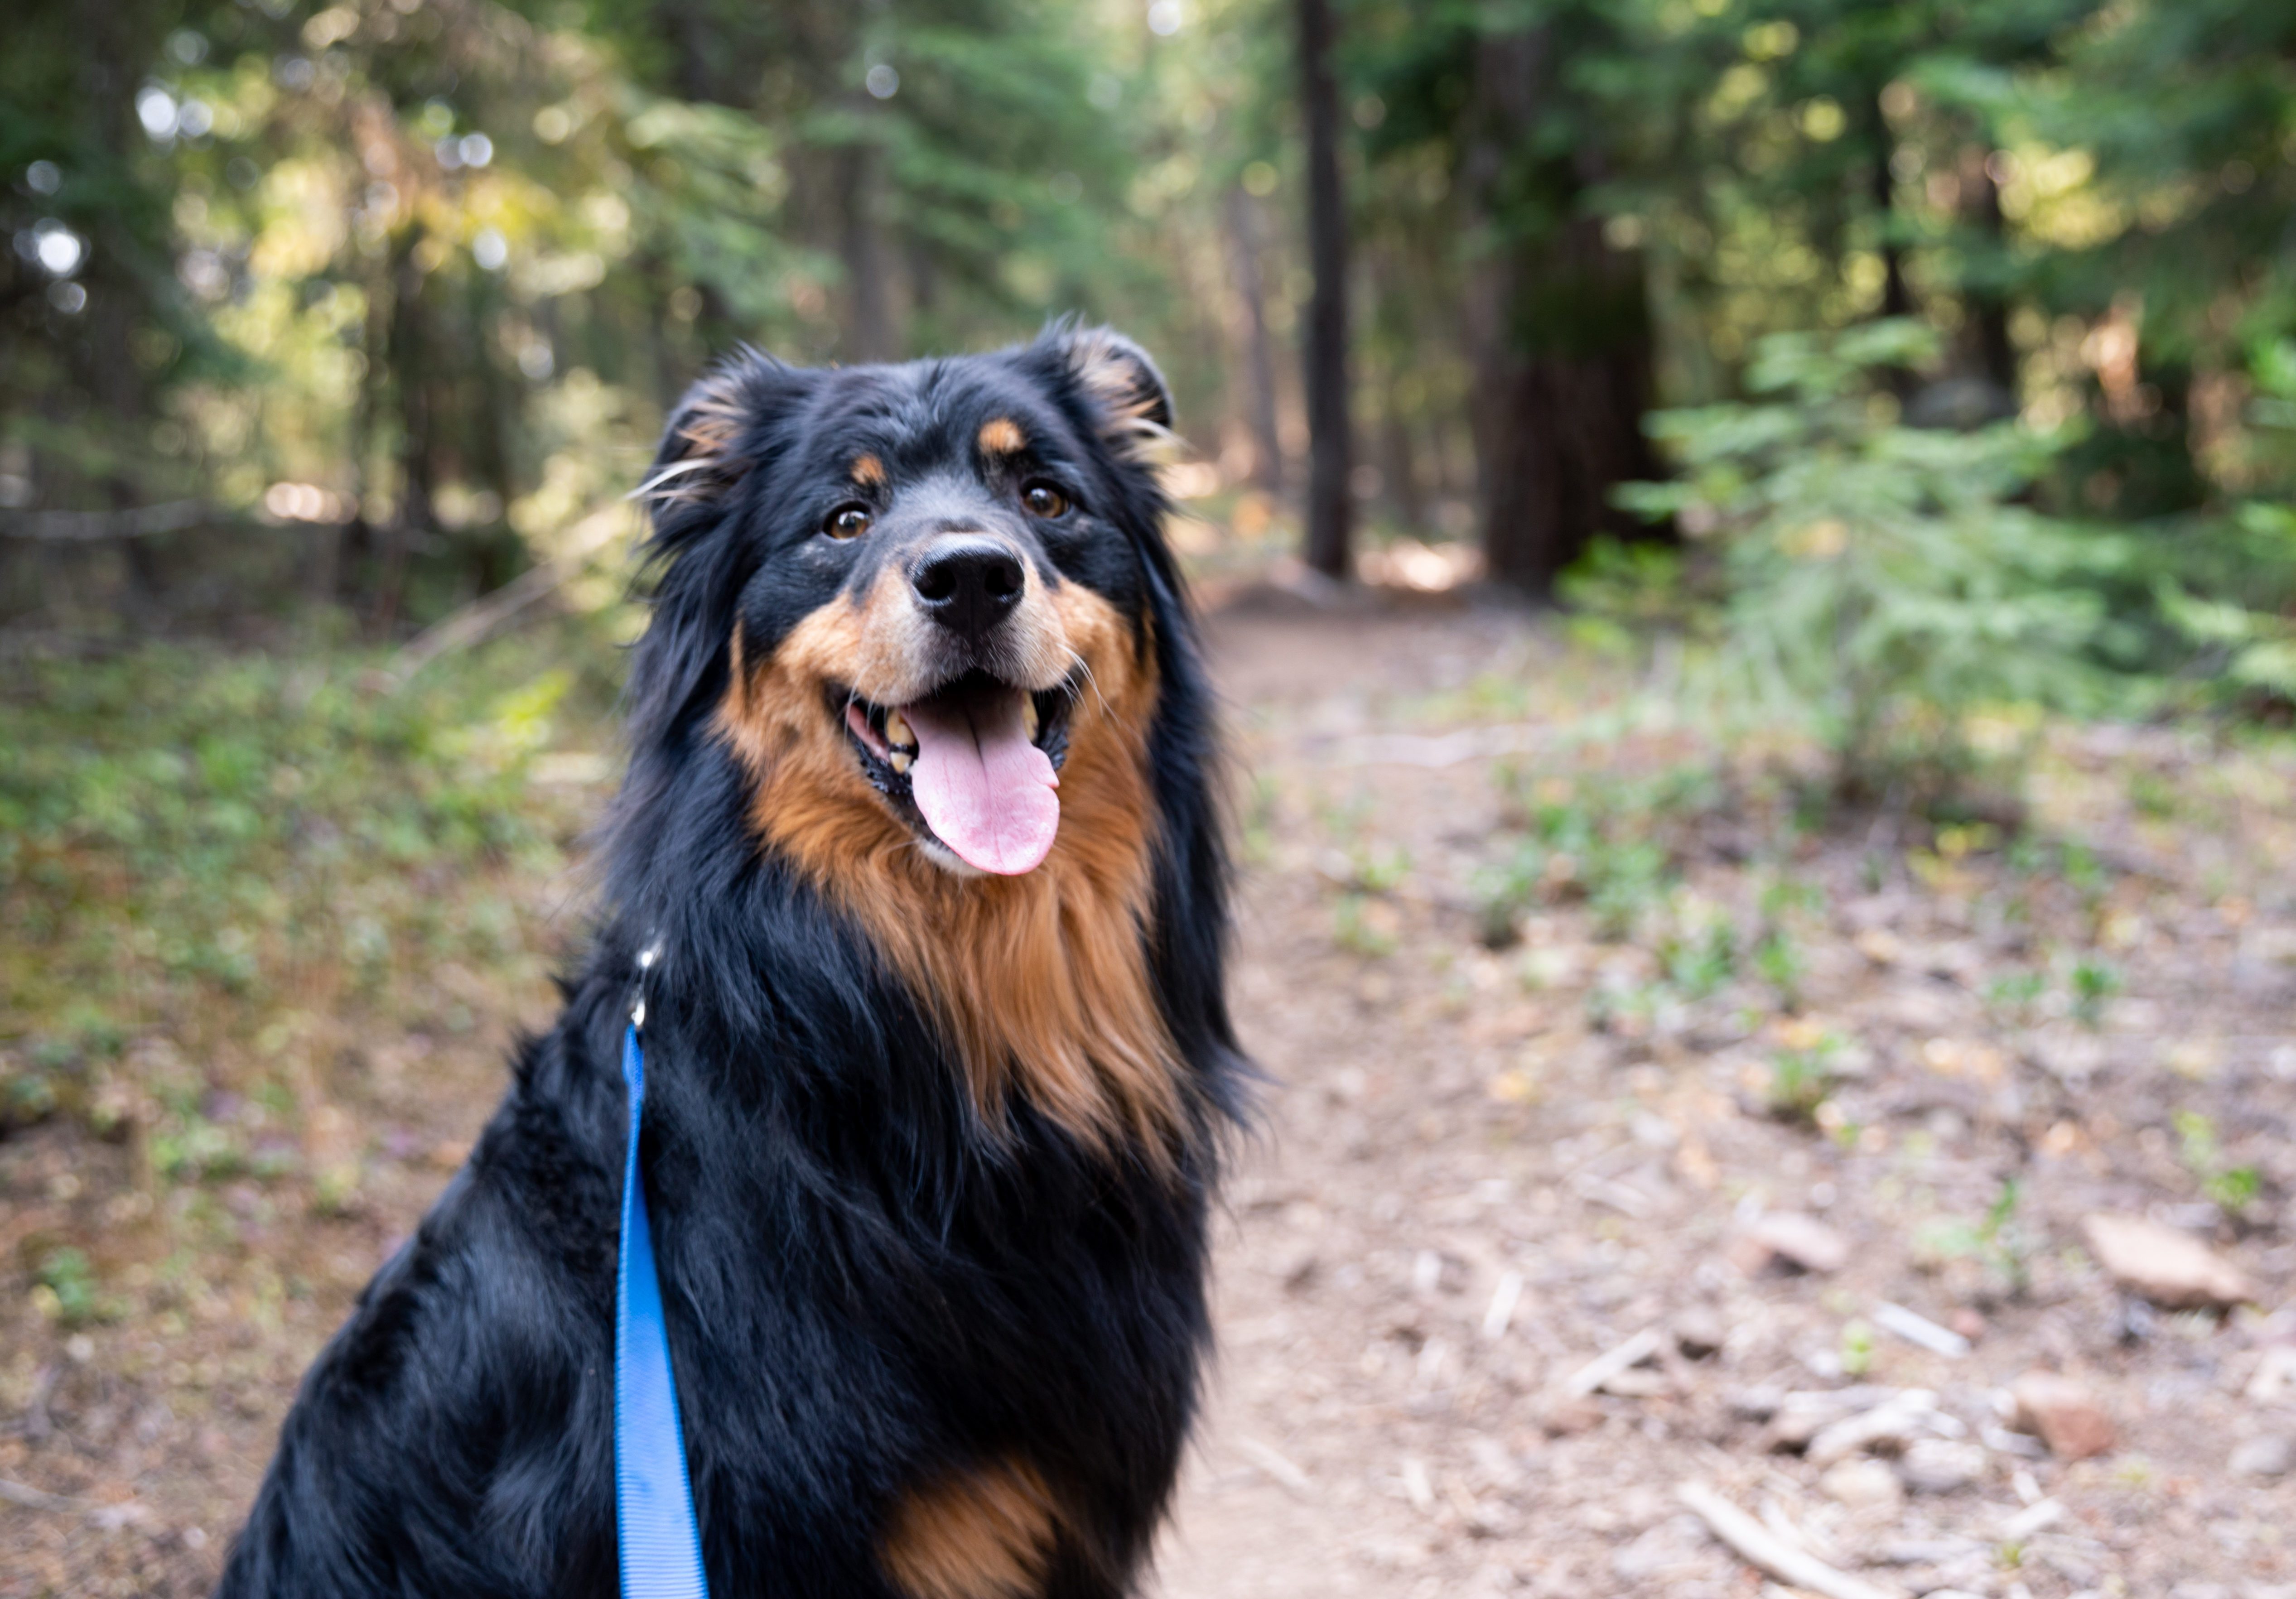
<point>918,604</point>
<point>940,597</point>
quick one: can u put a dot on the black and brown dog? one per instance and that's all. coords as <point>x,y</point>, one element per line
<point>920,811</point>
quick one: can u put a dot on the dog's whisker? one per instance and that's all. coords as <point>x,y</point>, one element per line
<point>1093,679</point>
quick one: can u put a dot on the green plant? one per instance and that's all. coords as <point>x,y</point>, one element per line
<point>1363,925</point>
<point>2154,795</point>
<point>1610,840</point>
<point>2244,644</point>
<point>2083,871</point>
<point>2013,994</point>
<point>1258,824</point>
<point>1627,1010</point>
<point>1624,879</point>
<point>1621,593</point>
<point>1857,1348</point>
<point>2093,983</point>
<point>1779,960</point>
<point>1698,963</point>
<point>190,1148</point>
<point>1376,870</point>
<point>64,1288</point>
<point>1874,584</point>
<point>1803,1078</point>
<point>1994,1241</point>
<point>2230,1187</point>
<point>1505,889</point>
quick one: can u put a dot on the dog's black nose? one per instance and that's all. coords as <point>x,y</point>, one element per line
<point>968,584</point>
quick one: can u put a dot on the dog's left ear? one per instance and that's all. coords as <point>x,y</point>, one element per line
<point>1131,399</point>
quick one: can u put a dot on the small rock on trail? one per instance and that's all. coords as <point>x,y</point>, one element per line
<point>1790,1240</point>
<point>2064,1414</point>
<point>2272,1456</point>
<point>2173,1269</point>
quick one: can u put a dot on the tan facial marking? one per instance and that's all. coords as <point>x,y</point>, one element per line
<point>988,1534</point>
<point>1037,983</point>
<point>1002,436</point>
<point>869,471</point>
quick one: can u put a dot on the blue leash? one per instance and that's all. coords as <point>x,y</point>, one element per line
<point>660,1539</point>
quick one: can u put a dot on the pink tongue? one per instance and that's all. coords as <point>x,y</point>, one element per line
<point>985,790</point>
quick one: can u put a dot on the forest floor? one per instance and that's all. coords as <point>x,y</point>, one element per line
<point>1581,1043</point>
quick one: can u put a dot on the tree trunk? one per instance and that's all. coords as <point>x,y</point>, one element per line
<point>1329,513</point>
<point>925,330</point>
<point>1896,296</point>
<point>1245,242</point>
<point>869,327</point>
<point>1401,472</point>
<point>691,40</point>
<point>496,553</point>
<point>351,550</point>
<point>1559,328</point>
<point>108,81</point>
<point>1989,304</point>
<point>1897,293</point>
<point>1390,285</point>
<point>410,368</point>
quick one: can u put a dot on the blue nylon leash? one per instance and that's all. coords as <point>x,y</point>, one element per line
<point>658,1537</point>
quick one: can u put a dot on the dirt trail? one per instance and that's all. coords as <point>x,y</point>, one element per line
<point>1480,1169</point>
<point>1441,1134</point>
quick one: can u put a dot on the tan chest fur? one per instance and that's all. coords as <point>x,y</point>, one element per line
<point>1039,982</point>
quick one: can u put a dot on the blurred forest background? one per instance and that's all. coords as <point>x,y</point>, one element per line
<point>375,306</point>
<point>1899,398</point>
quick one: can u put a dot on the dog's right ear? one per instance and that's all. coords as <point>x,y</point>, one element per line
<point>710,443</point>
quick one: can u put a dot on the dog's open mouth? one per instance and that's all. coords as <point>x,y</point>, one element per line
<point>974,765</point>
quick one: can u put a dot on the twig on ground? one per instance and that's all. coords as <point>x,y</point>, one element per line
<point>1916,1328</point>
<point>2034,1518</point>
<point>1620,1357</point>
<point>1795,1536</point>
<point>36,1424</point>
<point>1763,1548</point>
<point>1503,1303</point>
<point>1606,1190</point>
<point>1276,1465</point>
<point>33,1498</point>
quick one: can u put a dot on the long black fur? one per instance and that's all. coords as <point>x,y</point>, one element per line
<point>863,1286</point>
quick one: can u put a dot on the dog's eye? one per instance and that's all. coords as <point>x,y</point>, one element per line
<point>848,522</point>
<point>1042,500</point>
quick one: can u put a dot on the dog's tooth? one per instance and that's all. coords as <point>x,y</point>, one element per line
<point>1028,714</point>
<point>899,761</point>
<point>897,729</point>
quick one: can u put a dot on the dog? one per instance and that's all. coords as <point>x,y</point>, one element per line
<point>922,815</point>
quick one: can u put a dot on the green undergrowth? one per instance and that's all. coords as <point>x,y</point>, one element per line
<point>1613,839</point>
<point>1908,600</point>
<point>197,843</point>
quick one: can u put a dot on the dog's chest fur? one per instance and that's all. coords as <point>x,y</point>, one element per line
<point>1004,1337</point>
